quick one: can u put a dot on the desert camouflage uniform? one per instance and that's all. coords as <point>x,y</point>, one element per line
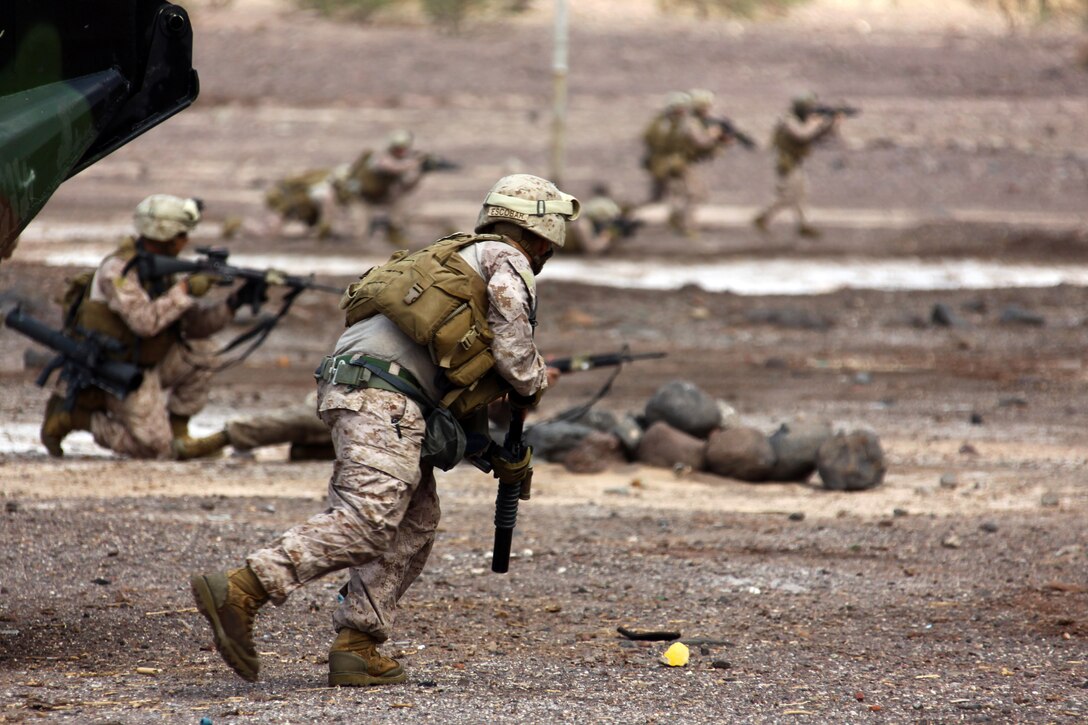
<point>793,141</point>
<point>396,177</point>
<point>672,141</point>
<point>383,506</point>
<point>139,425</point>
<point>296,423</point>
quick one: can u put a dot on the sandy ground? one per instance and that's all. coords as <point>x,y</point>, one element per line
<point>918,601</point>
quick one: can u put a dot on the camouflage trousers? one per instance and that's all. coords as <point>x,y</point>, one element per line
<point>789,193</point>
<point>382,512</point>
<point>139,425</point>
<point>295,424</point>
<point>683,193</point>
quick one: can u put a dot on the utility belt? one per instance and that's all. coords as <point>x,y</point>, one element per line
<point>444,441</point>
<point>363,371</point>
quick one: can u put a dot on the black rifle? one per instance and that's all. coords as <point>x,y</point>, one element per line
<point>214,264</point>
<point>438,163</point>
<point>83,363</point>
<point>578,363</point>
<point>506,501</point>
<point>729,130</point>
<point>844,110</point>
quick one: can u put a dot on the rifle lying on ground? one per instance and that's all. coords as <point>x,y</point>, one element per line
<point>729,130</point>
<point>843,110</point>
<point>513,448</point>
<point>85,363</point>
<point>214,264</point>
<point>578,363</point>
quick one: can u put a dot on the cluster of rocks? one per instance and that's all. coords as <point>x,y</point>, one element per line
<point>683,428</point>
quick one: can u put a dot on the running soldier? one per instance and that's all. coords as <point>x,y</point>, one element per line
<point>794,137</point>
<point>673,139</point>
<point>384,394</point>
<point>160,326</point>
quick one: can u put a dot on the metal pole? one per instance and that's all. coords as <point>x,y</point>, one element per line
<point>559,104</point>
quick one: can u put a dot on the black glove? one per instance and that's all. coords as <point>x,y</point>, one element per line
<point>509,471</point>
<point>253,293</point>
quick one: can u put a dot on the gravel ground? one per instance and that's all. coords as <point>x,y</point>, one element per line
<point>918,601</point>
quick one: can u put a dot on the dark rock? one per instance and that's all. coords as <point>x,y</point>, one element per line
<point>989,527</point>
<point>1017,315</point>
<point>976,418</point>
<point>741,453</point>
<point>943,316</point>
<point>551,441</point>
<point>665,446</point>
<point>851,461</point>
<point>797,516</point>
<point>595,453</point>
<point>793,317</point>
<point>685,407</point>
<point>601,420</point>
<point>795,446</point>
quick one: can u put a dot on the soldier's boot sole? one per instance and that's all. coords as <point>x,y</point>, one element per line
<point>347,669</point>
<point>204,594</point>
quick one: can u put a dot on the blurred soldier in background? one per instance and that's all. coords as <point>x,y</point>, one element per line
<point>382,180</point>
<point>673,139</point>
<point>794,136</point>
<point>161,327</point>
<point>602,224</point>
<point>378,180</point>
<point>309,197</point>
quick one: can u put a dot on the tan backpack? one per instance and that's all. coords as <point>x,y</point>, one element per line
<point>438,300</point>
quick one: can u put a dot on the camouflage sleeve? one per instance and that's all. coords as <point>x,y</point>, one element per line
<point>204,320</point>
<point>700,135</point>
<point>812,129</point>
<point>511,291</point>
<point>124,295</point>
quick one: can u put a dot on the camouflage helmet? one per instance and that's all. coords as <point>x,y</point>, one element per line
<point>532,203</point>
<point>803,105</point>
<point>400,139</point>
<point>677,101</point>
<point>162,217</point>
<point>701,99</point>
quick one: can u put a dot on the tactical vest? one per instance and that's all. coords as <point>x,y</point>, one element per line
<point>791,152</point>
<point>96,316</point>
<point>436,298</point>
<point>667,147</point>
<point>369,184</point>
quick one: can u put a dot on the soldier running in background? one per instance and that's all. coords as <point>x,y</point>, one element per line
<point>158,325</point>
<point>673,139</point>
<point>794,137</point>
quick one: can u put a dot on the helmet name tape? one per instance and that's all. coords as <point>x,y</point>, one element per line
<point>568,206</point>
<point>498,211</point>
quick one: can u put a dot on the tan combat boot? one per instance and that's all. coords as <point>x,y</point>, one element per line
<point>354,661</point>
<point>229,601</point>
<point>59,423</point>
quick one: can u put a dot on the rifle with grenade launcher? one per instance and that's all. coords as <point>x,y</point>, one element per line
<point>84,363</point>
